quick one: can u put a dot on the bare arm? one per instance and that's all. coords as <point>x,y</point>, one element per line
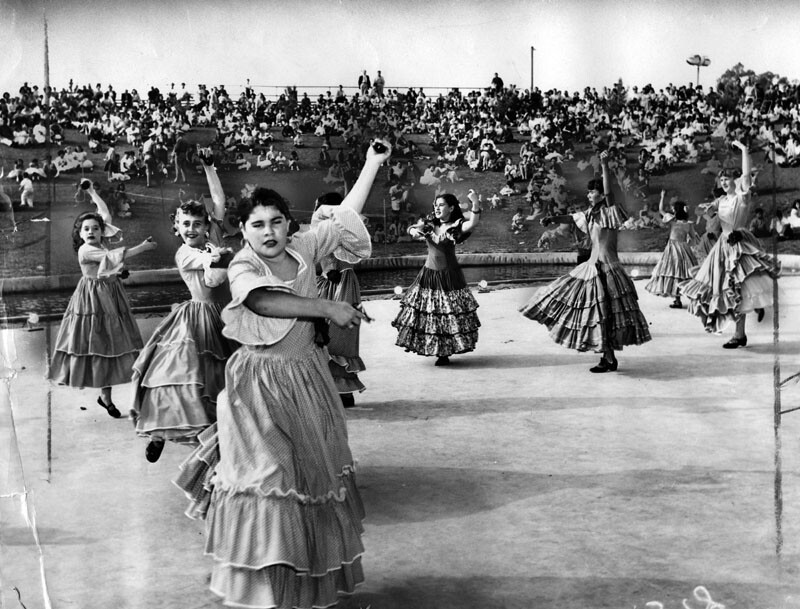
<point>606,178</point>
<point>661,209</point>
<point>357,196</point>
<point>214,185</point>
<point>746,165</point>
<point>145,246</point>
<point>274,303</point>
<point>475,219</point>
<point>564,219</point>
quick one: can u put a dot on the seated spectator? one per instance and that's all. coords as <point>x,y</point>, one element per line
<point>35,172</point>
<point>518,222</point>
<point>429,178</point>
<point>758,225</point>
<point>294,161</point>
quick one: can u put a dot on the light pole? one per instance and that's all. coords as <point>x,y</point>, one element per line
<point>699,61</point>
<point>532,50</point>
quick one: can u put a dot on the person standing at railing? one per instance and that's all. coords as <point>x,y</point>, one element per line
<point>364,83</point>
<point>380,83</point>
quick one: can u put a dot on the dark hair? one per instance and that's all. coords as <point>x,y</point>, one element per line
<point>456,216</point>
<point>329,198</point>
<point>265,197</point>
<point>77,240</point>
<point>596,184</point>
<point>734,173</point>
<point>680,210</point>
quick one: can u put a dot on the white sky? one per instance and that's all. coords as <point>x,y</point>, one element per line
<point>435,43</point>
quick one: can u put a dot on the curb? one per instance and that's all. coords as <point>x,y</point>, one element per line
<point>14,285</point>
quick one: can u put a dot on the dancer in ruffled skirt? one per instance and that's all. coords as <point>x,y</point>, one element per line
<point>284,517</point>
<point>438,312</point>
<point>595,306</point>
<point>98,340</point>
<point>181,370</point>
<point>737,275</point>
<point>338,281</point>
<point>677,262</point>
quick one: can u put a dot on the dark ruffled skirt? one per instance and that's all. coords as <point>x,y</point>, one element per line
<point>180,372</point>
<point>438,315</point>
<point>98,340</point>
<point>345,362</point>
<point>733,280</point>
<point>593,308</point>
<point>676,264</point>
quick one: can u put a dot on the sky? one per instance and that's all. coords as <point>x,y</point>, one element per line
<point>431,44</point>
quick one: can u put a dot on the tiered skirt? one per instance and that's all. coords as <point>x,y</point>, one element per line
<point>438,315</point>
<point>180,372</point>
<point>98,340</point>
<point>593,308</point>
<point>732,280</point>
<point>676,264</point>
<point>276,482</point>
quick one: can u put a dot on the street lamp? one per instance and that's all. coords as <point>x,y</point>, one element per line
<point>532,50</point>
<point>699,61</point>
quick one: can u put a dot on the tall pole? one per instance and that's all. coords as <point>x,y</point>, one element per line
<point>697,84</point>
<point>532,50</point>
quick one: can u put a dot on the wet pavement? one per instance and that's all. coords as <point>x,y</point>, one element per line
<point>513,478</point>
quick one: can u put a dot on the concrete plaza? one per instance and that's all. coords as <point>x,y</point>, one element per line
<point>513,478</point>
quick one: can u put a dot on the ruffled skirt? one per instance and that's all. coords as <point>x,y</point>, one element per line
<point>438,314</point>
<point>733,280</point>
<point>284,518</point>
<point>345,362</point>
<point>98,340</point>
<point>675,265</point>
<point>180,372</point>
<point>593,308</point>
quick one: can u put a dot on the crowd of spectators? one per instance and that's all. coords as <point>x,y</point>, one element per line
<point>646,131</point>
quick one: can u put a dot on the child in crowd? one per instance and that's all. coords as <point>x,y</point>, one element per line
<point>518,222</point>
<point>98,340</point>
<point>678,260</point>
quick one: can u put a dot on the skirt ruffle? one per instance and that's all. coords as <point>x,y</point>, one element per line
<point>674,266</point>
<point>180,372</point>
<point>98,339</point>
<point>196,478</point>
<point>594,307</point>
<point>732,281</point>
<point>343,347</point>
<point>284,520</point>
<point>437,315</point>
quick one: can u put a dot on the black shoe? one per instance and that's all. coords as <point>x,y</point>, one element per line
<point>605,366</point>
<point>442,361</point>
<point>153,450</point>
<point>111,409</point>
<point>760,314</point>
<point>347,400</point>
<point>735,343</point>
<point>676,304</point>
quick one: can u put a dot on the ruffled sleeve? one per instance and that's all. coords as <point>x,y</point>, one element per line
<point>340,231</point>
<point>247,273</point>
<point>612,217</point>
<point>191,259</point>
<point>109,261</point>
<point>581,223</point>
